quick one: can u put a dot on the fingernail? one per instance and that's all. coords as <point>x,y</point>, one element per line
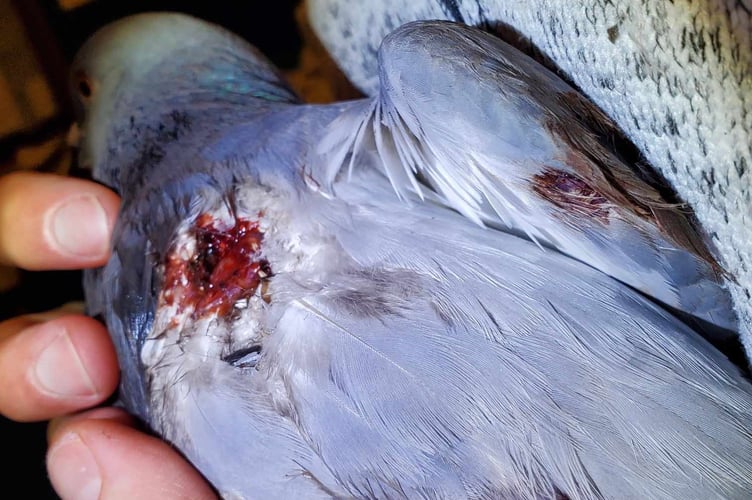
<point>59,370</point>
<point>79,227</point>
<point>73,471</point>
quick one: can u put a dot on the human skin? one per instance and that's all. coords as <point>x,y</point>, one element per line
<point>59,365</point>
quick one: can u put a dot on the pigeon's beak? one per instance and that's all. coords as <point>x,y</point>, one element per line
<point>75,139</point>
<point>74,136</point>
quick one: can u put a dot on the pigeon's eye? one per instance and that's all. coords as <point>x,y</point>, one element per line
<point>84,86</point>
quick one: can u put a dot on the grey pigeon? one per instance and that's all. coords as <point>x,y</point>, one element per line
<point>361,300</point>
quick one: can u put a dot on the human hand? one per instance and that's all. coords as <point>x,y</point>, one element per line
<point>55,364</point>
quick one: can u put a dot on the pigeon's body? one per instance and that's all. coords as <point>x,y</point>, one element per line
<point>303,330</point>
<point>453,367</point>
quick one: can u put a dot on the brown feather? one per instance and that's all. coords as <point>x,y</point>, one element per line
<point>596,151</point>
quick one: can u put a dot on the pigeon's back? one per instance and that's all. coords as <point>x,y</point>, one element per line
<point>452,361</point>
<point>407,354</point>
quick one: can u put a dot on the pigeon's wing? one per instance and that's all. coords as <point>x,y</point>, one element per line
<point>445,361</point>
<point>507,143</point>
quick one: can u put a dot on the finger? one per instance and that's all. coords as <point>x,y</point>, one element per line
<point>104,413</point>
<point>52,222</point>
<point>50,368</point>
<point>103,457</point>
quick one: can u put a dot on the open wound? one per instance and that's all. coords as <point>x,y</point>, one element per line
<point>572,194</point>
<point>215,266</point>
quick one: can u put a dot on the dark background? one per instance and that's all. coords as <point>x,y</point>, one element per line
<point>55,35</point>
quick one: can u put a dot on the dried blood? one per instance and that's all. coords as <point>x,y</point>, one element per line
<point>572,194</point>
<point>225,267</point>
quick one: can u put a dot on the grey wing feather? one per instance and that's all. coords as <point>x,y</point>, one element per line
<point>461,369</point>
<point>100,285</point>
<point>245,443</point>
<point>674,75</point>
<point>506,143</point>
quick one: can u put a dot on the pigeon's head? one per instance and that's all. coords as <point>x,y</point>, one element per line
<point>133,73</point>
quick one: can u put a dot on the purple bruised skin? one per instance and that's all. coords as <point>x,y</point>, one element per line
<point>571,194</point>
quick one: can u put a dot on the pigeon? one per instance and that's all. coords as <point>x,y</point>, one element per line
<point>376,299</point>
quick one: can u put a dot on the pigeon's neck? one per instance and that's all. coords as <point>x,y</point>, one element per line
<point>193,104</point>
<point>144,147</point>
<point>275,143</point>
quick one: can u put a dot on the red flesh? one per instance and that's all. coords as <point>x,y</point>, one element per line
<point>224,269</point>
